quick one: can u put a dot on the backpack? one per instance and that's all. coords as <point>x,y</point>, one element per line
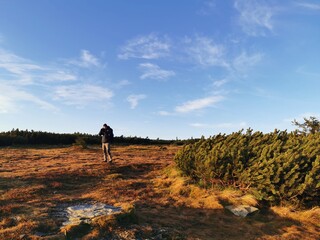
<point>110,135</point>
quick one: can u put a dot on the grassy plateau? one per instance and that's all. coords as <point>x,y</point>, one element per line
<point>158,202</point>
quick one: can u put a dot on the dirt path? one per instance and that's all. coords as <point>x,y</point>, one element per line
<point>33,182</point>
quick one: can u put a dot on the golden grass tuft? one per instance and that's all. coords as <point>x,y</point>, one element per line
<point>249,199</point>
<point>113,176</point>
<point>211,202</point>
<point>175,186</point>
<point>181,189</point>
<point>236,197</point>
<point>311,215</point>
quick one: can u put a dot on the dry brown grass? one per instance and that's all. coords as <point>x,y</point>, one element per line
<point>311,216</point>
<point>144,182</point>
<point>236,197</point>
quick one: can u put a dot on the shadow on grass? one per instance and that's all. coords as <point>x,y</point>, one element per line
<point>134,171</point>
<point>44,189</point>
<point>202,223</point>
<point>29,203</point>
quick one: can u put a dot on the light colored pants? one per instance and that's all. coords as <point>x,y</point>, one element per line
<point>106,151</point>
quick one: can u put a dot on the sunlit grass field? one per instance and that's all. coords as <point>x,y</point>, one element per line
<point>35,182</point>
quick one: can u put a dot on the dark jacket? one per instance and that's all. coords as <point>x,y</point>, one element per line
<point>107,134</point>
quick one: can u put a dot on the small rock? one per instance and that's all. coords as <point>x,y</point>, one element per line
<point>86,212</point>
<point>242,210</point>
<point>17,218</point>
<point>23,236</point>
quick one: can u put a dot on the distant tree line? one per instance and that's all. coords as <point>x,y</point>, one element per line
<point>276,167</point>
<point>25,137</point>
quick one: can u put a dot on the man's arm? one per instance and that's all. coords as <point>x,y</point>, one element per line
<point>101,132</point>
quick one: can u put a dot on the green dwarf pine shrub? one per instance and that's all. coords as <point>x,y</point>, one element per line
<point>280,166</point>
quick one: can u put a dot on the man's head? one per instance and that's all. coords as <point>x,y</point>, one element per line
<point>105,125</point>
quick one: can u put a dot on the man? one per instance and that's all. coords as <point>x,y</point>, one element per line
<point>107,137</point>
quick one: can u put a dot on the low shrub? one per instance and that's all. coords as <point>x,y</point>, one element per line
<point>278,166</point>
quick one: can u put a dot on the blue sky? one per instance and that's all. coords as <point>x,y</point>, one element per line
<point>167,69</point>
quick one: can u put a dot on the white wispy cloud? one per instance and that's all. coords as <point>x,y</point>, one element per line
<point>164,113</point>
<point>81,95</point>
<point>146,47</point>
<point>205,52</point>
<point>122,83</point>
<point>26,72</point>
<point>12,97</point>
<point>220,82</point>
<point>308,5</point>
<point>134,99</point>
<point>240,67</point>
<point>153,71</point>
<point>8,57</point>
<point>6,104</point>
<point>198,104</point>
<point>59,75</point>
<point>18,68</point>
<point>244,62</point>
<point>86,60</point>
<point>255,16</point>
<point>19,77</point>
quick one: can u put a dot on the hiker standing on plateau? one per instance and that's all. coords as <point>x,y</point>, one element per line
<point>107,137</point>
